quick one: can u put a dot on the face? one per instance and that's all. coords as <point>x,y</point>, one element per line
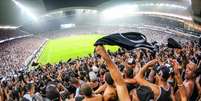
<point>189,72</point>
<point>151,76</point>
<point>33,89</point>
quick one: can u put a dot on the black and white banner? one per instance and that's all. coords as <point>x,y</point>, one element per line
<point>129,40</point>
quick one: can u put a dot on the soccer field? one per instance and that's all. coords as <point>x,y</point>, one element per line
<point>62,49</point>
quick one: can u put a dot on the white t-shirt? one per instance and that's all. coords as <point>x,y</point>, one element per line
<point>28,97</point>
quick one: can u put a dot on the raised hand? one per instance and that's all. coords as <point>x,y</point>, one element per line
<point>175,66</point>
<point>101,51</point>
<point>152,62</point>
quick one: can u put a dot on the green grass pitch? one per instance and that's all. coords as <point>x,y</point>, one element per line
<point>62,49</point>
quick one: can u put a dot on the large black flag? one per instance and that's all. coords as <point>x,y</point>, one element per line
<point>172,43</point>
<point>129,40</point>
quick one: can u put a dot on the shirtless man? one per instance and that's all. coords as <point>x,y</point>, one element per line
<point>108,89</point>
<point>189,81</point>
<point>121,88</point>
<point>110,93</point>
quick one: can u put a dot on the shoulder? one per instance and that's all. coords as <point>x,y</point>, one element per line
<point>189,83</point>
<point>27,97</point>
<point>99,96</point>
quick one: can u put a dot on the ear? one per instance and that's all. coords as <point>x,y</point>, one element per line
<point>157,78</point>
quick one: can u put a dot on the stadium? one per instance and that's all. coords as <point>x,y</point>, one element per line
<point>100,50</point>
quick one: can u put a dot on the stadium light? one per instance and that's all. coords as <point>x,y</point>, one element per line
<point>8,27</point>
<point>119,11</point>
<point>189,1</point>
<point>189,18</point>
<point>26,10</point>
<point>66,26</point>
<point>128,9</point>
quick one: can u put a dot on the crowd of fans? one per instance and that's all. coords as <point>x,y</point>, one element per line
<point>92,26</point>
<point>138,75</point>
<point>108,29</point>
<point>11,33</point>
<point>14,53</point>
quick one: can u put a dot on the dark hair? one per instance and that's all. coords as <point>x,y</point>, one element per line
<point>129,73</point>
<point>144,93</point>
<point>29,86</point>
<point>79,98</point>
<point>166,73</point>
<point>108,78</point>
<point>52,93</point>
<point>121,67</point>
<point>86,90</point>
<point>103,66</point>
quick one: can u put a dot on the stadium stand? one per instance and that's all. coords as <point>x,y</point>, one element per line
<point>90,27</point>
<point>6,34</point>
<point>86,75</point>
<point>169,72</point>
<point>15,52</point>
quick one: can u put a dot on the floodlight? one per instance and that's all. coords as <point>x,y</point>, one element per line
<point>151,4</point>
<point>25,9</point>
<point>164,5</point>
<point>119,11</point>
<point>163,14</point>
<point>65,26</point>
<point>161,4</point>
<point>189,1</point>
<point>8,27</point>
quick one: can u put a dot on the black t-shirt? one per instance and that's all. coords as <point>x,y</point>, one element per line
<point>165,95</point>
<point>194,94</point>
<point>72,89</point>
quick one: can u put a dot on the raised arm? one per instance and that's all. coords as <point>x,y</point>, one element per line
<point>101,88</point>
<point>132,81</point>
<point>145,67</point>
<point>115,73</point>
<point>181,90</point>
<point>140,77</point>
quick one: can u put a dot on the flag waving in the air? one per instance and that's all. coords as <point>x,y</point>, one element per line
<point>129,40</point>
